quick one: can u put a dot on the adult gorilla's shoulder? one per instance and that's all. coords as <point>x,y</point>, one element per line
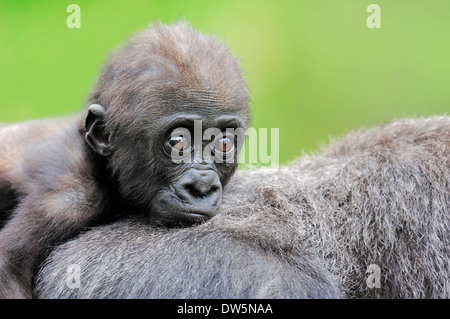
<point>375,197</point>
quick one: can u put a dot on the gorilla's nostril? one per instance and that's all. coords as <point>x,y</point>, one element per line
<point>201,188</point>
<point>194,191</point>
<point>201,191</point>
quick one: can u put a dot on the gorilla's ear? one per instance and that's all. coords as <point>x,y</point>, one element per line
<point>96,135</point>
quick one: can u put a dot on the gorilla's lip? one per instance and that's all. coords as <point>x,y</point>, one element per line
<point>196,214</point>
<point>173,207</point>
<point>205,212</point>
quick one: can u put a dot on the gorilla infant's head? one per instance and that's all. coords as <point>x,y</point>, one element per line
<point>168,114</point>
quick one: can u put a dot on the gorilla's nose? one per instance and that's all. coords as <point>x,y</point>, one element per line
<point>200,188</point>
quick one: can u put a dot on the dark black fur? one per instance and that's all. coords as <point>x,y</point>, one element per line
<point>9,198</point>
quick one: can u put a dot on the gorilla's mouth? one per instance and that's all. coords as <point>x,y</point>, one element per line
<point>169,207</point>
<point>201,211</point>
<point>196,215</point>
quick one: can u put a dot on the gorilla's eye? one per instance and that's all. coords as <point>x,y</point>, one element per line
<point>225,144</point>
<point>179,143</point>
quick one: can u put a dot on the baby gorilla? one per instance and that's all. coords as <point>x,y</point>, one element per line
<point>131,151</point>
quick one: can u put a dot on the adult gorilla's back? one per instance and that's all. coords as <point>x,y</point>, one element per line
<point>133,260</point>
<point>375,197</point>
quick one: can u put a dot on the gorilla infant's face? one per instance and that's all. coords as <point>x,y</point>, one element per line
<point>173,167</point>
<point>198,154</point>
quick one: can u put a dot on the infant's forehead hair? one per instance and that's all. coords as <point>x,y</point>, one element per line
<point>171,60</point>
<point>180,36</point>
<point>180,51</point>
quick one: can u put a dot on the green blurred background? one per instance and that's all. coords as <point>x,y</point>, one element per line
<point>314,68</point>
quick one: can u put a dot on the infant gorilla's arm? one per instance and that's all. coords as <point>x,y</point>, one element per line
<point>44,166</point>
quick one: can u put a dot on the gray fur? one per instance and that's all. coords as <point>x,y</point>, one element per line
<point>198,262</point>
<point>379,196</point>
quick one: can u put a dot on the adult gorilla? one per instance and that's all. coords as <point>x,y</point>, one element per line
<point>375,200</point>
